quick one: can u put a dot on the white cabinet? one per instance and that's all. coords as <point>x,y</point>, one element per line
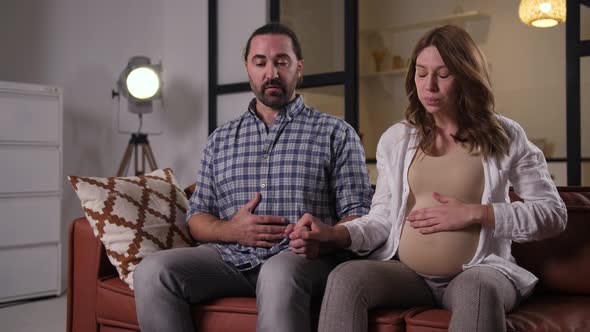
<point>30,190</point>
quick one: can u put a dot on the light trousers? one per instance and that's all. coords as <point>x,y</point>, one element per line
<point>166,283</point>
<point>478,297</point>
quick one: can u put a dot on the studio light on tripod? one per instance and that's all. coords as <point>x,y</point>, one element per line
<point>140,83</point>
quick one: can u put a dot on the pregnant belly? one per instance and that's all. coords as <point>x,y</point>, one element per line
<point>438,254</point>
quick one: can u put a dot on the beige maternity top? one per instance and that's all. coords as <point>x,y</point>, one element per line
<point>457,174</point>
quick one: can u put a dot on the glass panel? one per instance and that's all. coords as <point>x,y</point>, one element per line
<point>231,106</point>
<point>558,171</point>
<point>585,105</point>
<point>585,117</point>
<point>529,85</point>
<point>584,22</point>
<point>382,103</point>
<point>328,99</point>
<point>586,173</point>
<point>319,25</point>
<point>237,19</point>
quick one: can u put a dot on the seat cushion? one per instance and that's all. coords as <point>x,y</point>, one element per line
<point>226,314</point>
<point>427,320</point>
<point>115,304</point>
<point>387,320</point>
<point>116,309</point>
<point>546,313</point>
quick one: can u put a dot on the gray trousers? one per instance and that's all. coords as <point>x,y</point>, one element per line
<point>166,283</point>
<point>478,297</point>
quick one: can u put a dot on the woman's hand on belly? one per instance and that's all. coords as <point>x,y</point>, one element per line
<point>451,215</point>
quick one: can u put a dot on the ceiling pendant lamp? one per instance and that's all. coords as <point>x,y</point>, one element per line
<point>542,13</point>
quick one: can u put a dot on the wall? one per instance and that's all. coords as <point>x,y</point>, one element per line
<point>82,46</point>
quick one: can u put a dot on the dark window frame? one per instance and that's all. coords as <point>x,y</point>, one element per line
<point>574,50</point>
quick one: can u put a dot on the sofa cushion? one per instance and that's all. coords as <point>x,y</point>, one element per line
<point>134,216</point>
<point>116,308</point>
<point>427,320</point>
<point>115,304</point>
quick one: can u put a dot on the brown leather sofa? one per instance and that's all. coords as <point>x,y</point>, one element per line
<point>99,301</point>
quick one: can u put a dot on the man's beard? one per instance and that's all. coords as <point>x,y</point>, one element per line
<point>276,99</point>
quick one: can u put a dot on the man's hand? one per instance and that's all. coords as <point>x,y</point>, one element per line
<point>451,215</point>
<point>310,232</point>
<point>253,230</point>
<point>309,248</point>
<point>311,237</point>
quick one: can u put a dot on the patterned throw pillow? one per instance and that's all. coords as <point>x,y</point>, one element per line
<point>134,216</point>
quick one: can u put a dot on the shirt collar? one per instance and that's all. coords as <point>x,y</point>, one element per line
<point>291,110</point>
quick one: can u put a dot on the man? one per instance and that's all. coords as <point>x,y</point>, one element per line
<point>280,162</point>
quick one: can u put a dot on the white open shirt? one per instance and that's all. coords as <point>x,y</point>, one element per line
<point>541,215</point>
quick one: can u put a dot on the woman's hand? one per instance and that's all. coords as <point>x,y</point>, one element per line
<point>309,232</point>
<point>301,242</point>
<point>451,215</point>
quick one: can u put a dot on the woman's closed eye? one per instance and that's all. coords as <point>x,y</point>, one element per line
<point>445,75</point>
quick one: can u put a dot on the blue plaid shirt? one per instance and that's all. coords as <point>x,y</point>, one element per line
<point>306,161</point>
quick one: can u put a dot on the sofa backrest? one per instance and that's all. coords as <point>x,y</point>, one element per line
<point>562,263</point>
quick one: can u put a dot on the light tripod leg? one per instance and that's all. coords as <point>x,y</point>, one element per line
<point>124,166</point>
<point>150,156</point>
<point>136,161</point>
<point>136,142</point>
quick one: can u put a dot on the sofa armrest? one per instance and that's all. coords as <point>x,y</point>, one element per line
<point>87,262</point>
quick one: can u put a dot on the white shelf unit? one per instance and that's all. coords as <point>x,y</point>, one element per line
<point>394,72</point>
<point>456,18</point>
<point>30,191</point>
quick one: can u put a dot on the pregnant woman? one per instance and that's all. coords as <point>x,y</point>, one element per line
<point>441,223</point>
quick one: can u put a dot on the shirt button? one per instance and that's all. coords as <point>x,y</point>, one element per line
<point>265,156</point>
<point>263,185</point>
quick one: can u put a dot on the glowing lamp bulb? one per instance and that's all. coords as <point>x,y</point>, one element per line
<point>545,7</point>
<point>143,83</point>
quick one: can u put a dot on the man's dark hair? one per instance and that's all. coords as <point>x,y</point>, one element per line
<point>275,29</point>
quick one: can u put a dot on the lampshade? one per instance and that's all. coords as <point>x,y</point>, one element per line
<point>140,83</point>
<point>542,13</point>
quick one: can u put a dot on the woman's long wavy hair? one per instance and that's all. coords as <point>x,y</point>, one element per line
<point>478,126</point>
